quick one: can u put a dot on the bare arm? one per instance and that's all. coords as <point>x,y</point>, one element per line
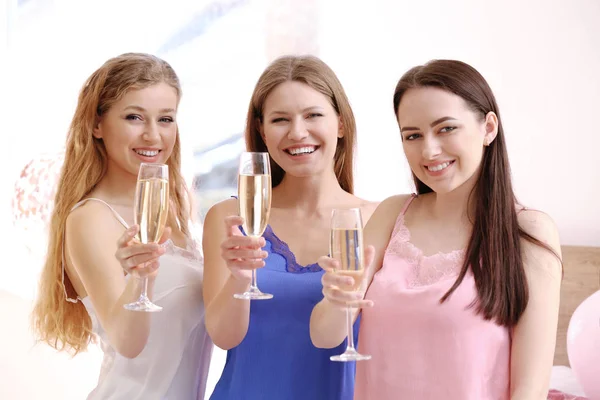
<point>328,318</point>
<point>91,243</point>
<point>228,259</point>
<point>534,337</point>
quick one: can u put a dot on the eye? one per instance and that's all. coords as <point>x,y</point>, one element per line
<point>447,129</point>
<point>412,136</point>
<point>133,117</point>
<point>314,115</point>
<point>276,120</point>
<point>167,119</point>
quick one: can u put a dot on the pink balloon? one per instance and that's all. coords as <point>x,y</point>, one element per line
<point>583,345</point>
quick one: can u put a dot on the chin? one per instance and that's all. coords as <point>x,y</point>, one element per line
<point>447,188</point>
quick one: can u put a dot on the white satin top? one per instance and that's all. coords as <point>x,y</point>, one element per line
<point>174,364</point>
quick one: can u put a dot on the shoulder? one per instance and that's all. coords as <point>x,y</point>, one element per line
<point>220,210</point>
<point>367,208</point>
<point>91,216</point>
<point>539,225</point>
<point>92,232</point>
<point>385,215</point>
<point>542,227</point>
<point>392,205</point>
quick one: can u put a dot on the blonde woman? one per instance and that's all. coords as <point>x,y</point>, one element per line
<point>126,115</point>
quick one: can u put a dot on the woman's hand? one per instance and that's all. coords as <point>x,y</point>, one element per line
<point>242,254</point>
<point>137,258</point>
<point>346,288</point>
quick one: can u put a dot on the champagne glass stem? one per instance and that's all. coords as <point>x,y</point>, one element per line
<point>253,286</point>
<point>144,294</point>
<point>350,345</point>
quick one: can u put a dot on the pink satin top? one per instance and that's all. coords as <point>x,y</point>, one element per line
<point>421,348</point>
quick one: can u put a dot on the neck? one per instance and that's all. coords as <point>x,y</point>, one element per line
<point>456,205</point>
<point>117,186</point>
<point>309,194</point>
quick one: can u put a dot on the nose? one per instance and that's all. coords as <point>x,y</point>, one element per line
<point>151,132</point>
<point>431,148</point>
<point>298,129</point>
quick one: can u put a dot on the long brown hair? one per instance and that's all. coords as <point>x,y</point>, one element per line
<point>315,73</point>
<point>494,250</point>
<point>60,323</point>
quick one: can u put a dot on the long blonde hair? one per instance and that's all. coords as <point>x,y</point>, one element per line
<point>313,72</point>
<point>62,324</point>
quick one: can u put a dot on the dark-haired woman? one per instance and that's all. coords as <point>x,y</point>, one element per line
<point>462,289</point>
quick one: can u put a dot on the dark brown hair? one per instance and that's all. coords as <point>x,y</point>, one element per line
<point>494,250</point>
<point>315,73</point>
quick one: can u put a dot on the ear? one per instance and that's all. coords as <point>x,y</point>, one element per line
<point>97,132</point>
<point>491,128</point>
<point>340,128</point>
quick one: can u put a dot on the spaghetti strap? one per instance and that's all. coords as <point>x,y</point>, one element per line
<point>407,203</point>
<point>79,204</point>
<point>400,218</point>
<point>115,213</point>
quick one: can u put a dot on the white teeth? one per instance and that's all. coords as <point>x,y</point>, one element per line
<point>147,153</point>
<point>302,150</point>
<point>439,167</point>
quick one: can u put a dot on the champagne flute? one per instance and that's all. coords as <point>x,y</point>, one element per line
<point>346,246</point>
<point>254,193</point>
<point>150,213</point>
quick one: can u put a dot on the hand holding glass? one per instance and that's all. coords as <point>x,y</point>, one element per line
<point>254,193</point>
<point>150,213</point>
<point>346,246</point>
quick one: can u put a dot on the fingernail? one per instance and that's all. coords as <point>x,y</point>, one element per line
<point>264,254</point>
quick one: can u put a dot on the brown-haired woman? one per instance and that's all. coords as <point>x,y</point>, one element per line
<point>463,289</point>
<point>300,114</point>
<point>126,115</point>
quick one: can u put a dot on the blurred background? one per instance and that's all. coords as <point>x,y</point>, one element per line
<point>541,58</point>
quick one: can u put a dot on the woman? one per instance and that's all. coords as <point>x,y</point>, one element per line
<point>300,114</point>
<point>463,289</point>
<point>126,115</point>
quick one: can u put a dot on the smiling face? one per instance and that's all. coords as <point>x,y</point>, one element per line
<point>300,129</point>
<point>140,127</point>
<point>443,138</point>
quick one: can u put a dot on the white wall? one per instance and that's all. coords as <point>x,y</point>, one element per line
<point>541,58</point>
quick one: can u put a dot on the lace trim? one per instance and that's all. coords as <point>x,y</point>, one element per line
<point>280,247</point>
<point>191,252</point>
<point>425,270</point>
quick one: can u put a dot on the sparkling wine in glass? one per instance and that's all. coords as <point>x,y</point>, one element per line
<point>254,194</point>
<point>346,246</point>
<point>150,213</point>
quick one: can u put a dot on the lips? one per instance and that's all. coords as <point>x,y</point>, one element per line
<point>439,166</point>
<point>301,150</point>
<point>147,152</point>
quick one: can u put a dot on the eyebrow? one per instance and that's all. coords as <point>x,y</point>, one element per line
<point>434,123</point>
<point>304,110</point>
<point>142,109</point>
